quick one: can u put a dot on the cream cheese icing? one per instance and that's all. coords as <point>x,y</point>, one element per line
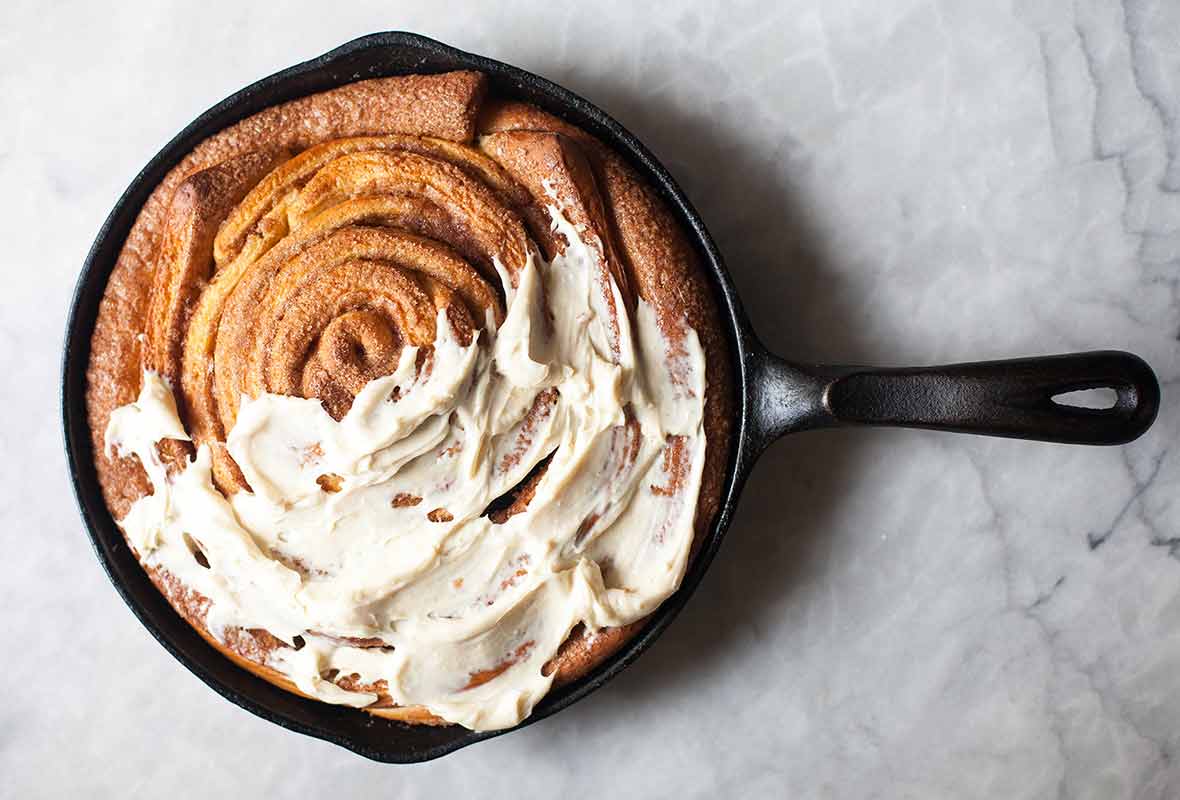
<point>374,526</point>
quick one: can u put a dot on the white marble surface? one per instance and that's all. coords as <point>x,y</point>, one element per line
<point>893,614</point>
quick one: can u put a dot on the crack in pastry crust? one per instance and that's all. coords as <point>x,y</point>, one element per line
<point>414,187</point>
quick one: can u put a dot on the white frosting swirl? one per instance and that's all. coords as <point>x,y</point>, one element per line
<point>470,610</point>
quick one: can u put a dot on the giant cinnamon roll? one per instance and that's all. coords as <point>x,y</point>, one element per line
<point>410,399</point>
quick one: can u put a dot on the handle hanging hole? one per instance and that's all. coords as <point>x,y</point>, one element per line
<point>1100,399</point>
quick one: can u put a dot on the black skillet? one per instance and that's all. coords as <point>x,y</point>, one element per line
<point>776,397</point>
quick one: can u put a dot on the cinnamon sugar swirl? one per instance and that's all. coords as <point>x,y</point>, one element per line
<point>410,399</point>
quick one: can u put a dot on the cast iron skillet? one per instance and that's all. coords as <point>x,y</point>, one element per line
<point>775,397</point>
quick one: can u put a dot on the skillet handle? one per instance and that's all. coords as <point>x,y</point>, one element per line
<point>1013,398</point>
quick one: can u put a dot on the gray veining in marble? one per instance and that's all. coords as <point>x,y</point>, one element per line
<point>894,614</point>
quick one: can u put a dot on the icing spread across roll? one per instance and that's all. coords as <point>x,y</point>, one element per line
<point>380,545</point>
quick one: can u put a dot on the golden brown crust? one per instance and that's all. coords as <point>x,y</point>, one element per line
<point>175,253</point>
<point>200,203</point>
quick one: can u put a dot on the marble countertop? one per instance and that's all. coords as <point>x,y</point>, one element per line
<point>893,614</point>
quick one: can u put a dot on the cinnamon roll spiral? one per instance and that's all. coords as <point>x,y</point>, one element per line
<point>410,399</point>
